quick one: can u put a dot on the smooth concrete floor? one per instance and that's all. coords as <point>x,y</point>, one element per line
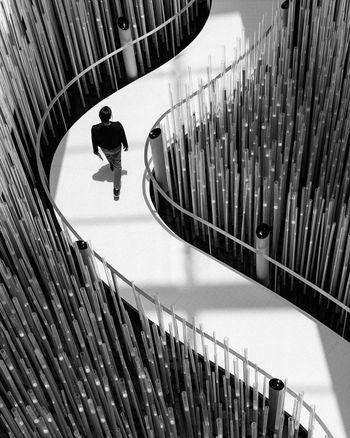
<point>280,338</point>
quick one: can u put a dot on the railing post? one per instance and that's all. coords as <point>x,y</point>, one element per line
<point>262,243</point>
<point>157,150</point>
<point>276,387</point>
<point>87,257</point>
<point>284,12</point>
<point>124,32</point>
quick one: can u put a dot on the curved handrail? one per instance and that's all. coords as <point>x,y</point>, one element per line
<point>98,257</point>
<point>214,227</point>
<point>46,114</point>
<point>149,174</point>
<point>40,167</point>
<point>92,66</point>
<point>230,236</point>
<point>241,357</point>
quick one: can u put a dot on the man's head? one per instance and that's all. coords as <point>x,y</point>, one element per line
<point>105,114</point>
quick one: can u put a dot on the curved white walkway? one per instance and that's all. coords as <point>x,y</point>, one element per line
<point>281,339</point>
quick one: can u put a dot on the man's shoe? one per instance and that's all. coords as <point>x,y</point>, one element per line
<point>111,166</point>
<point>116,194</point>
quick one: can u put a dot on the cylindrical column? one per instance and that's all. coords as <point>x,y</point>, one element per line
<point>276,387</point>
<point>86,255</point>
<point>157,150</point>
<point>284,12</point>
<point>262,243</point>
<point>124,32</point>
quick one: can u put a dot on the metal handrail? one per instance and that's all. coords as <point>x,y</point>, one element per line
<point>98,257</point>
<point>92,66</point>
<point>46,114</point>
<point>230,236</point>
<point>212,226</point>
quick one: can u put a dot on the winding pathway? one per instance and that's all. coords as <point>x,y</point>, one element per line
<point>280,338</point>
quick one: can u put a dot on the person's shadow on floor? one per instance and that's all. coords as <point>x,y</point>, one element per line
<point>106,174</point>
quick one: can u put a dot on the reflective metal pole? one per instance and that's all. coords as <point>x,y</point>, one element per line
<point>124,32</point>
<point>262,243</point>
<point>276,387</point>
<point>157,150</point>
<point>284,12</point>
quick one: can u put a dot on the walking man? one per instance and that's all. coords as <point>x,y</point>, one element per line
<point>109,137</point>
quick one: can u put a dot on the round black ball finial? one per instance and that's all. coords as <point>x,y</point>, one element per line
<point>285,4</point>
<point>262,231</point>
<point>155,133</point>
<point>276,384</point>
<point>123,23</point>
<point>82,244</point>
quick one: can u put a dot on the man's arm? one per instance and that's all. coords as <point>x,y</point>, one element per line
<point>94,140</point>
<point>123,138</point>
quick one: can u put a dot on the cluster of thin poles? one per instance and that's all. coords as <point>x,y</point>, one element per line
<point>268,142</point>
<point>44,44</point>
<point>73,362</point>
